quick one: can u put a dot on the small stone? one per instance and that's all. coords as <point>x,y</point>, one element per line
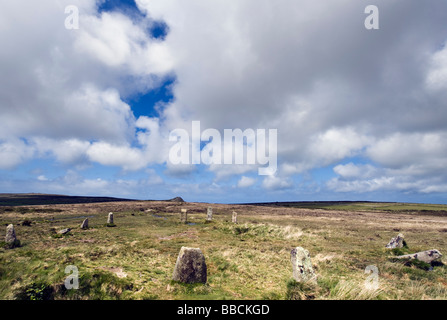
<point>396,242</point>
<point>10,235</point>
<point>234,218</point>
<point>84,224</point>
<point>209,214</point>
<point>64,231</point>
<point>190,266</point>
<point>302,265</point>
<point>110,218</point>
<point>184,216</point>
<point>428,256</point>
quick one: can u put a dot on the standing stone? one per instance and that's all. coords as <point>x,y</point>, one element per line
<point>209,214</point>
<point>234,218</point>
<point>428,256</point>
<point>84,224</point>
<point>396,242</point>
<point>302,265</point>
<point>184,216</point>
<point>10,235</point>
<point>110,218</point>
<point>190,266</point>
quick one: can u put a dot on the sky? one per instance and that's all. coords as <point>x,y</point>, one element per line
<point>90,109</point>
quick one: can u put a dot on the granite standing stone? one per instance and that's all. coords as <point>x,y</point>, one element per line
<point>184,216</point>
<point>10,235</point>
<point>190,266</point>
<point>209,214</point>
<point>84,224</point>
<point>302,265</point>
<point>234,218</point>
<point>110,218</point>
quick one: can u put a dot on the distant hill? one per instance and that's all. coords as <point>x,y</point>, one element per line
<point>24,199</point>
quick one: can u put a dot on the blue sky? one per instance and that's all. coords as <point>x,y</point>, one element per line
<point>360,114</point>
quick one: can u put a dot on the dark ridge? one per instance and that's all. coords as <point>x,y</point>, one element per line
<point>8,199</point>
<point>177,199</point>
<point>308,204</point>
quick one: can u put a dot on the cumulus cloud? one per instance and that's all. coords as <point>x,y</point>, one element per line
<point>277,183</point>
<point>246,182</point>
<point>333,89</point>
<point>116,41</point>
<point>14,152</point>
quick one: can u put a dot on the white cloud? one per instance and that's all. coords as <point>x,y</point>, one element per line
<point>399,150</point>
<point>116,155</point>
<point>115,40</point>
<point>276,183</point>
<point>71,151</point>
<point>14,152</point>
<point>333,89</point>
<point>437,74</point>
<point>246,182</point>
<point>351,170</point>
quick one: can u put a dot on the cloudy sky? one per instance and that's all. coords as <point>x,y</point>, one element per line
<point>360,114</point>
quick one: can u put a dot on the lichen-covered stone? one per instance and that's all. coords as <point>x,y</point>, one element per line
<point>428,256</point>
<point>302,265</point>
<point>10,235</point>
<point>396,242</point>
<point>184,215</point>
<point>234,218</point>
<point>64,231</point>
<point>190,266</point>
<point>110,218</point>
<point>209,214</point>
<point>84,224</point>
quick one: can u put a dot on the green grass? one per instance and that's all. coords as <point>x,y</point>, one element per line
<point>369,206</point>
<point>250,260</point>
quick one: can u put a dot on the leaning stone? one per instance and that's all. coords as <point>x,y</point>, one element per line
<point>190,266</point>
<point>110,218</point>
<point>302,265</point>
<point>184,216</point>
<point>64,231</point>
<point>10,235</point>
<point>428,256</point>
<point>209,214</point>
<point>84,224</point>
<point>234,218</point>
<point>396,242</point>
